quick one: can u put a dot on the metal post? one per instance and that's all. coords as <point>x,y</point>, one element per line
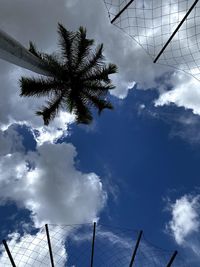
<point>93,239</point>
<point>9,253</point>
<point>13,52</point>
<point>126,6</point>
<point>172,258</point>
<point>49,244</point>
<point>136,248</point>
<point>177,28</point>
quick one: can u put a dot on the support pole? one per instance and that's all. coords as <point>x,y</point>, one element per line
<point>9,253</point>
<point>120,12</point>
<point>93,239</point>
<point>172,258</point>
<point>15,53</point>
<point>177,28</point>
<point>135,249</point>
<point>49,244</point>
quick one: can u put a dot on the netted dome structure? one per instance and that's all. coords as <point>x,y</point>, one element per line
<point>168,30</point>
<point>93,245</point>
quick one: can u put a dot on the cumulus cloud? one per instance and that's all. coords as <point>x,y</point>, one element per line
<point>47,183</point>
<point>184,225</point>
<point>10,141</point>
<point>185,93</point>
<point>55,130</point>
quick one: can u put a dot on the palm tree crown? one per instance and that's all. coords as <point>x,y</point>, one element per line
<point>77,82</point>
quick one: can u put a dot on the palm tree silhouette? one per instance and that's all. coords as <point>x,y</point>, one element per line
<point>77,80</point>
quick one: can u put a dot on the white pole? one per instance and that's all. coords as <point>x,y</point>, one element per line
<point>13,52</point>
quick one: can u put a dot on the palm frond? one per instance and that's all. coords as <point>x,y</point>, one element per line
<point>97,92</point>
<point>97,85</point>
<point>38,86</point>
<point>70,102</point>
<point>34,51</point>
<point>66,43</point>
<point>83,46</point>
<point>49,112</point>
<point>82,112</point>
<point>99,103</point>
<point>56,68</point>
<point>95,61</point>
<point>111,68</point>
<point>101,74</point>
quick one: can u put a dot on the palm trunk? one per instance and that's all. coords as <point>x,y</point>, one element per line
<point>13,52</point>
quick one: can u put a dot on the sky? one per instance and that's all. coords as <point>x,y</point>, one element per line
<point>135,167</point>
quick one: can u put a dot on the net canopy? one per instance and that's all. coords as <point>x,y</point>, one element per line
<point>152,24</point>
<point>72,247</point>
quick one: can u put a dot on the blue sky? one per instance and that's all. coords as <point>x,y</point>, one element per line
<point>135,167</point>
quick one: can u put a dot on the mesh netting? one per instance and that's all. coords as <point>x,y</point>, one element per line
<point>72,246</point>
<point>152,22</point>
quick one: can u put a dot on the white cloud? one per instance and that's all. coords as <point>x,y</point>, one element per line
<point>121,91</point>
<point>53,190</point>
<point>185,93</point>
<point>55,130</point>
<point>10,141</point>
<point>184,225</point>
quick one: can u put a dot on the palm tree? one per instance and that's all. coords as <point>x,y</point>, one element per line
<point>77,81</point>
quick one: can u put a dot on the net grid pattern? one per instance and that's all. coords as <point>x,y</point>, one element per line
<point>72,245</point>
<point>151,23</point>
